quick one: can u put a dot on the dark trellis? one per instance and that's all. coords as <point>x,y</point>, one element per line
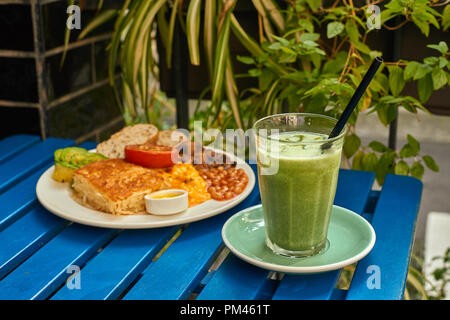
<point>39,54</point>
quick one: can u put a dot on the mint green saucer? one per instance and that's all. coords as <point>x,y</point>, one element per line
<point>351,238</point>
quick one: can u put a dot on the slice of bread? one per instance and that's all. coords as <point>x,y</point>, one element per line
<point>171,138</point>
<point>114,147</point>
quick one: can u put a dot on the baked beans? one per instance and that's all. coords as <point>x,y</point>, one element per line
<point>223,182</point>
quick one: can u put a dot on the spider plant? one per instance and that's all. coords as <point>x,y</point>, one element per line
<point>309,56</point>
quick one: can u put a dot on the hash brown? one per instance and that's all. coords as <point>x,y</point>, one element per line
<point>118,187</point>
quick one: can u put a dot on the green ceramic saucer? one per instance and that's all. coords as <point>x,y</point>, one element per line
<point>350,237</point>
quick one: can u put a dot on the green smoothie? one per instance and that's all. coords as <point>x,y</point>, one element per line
<point>297,198</point>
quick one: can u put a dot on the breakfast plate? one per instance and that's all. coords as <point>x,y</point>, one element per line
<point>57,198</point>
<point>350,238</point>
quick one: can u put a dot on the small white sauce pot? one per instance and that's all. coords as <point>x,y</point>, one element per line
<point>166,202</point>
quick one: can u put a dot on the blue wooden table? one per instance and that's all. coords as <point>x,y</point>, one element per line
<point>40,253</point>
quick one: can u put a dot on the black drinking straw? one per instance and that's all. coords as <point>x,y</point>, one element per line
<point>355,98</point>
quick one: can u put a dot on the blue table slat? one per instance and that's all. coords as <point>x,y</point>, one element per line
<point>307,287</point>
<point>179,270</point>
<point>29,160</point>
<point>17,200</point>
<point>352,193</point>
<point>109,273</point>
<point>26,236</point>
<point>12,145</point>
<point>339,294</point>
<point>353,189</point>
<point>243,281</point>
<point>394,222</point>
<point>40,275</point>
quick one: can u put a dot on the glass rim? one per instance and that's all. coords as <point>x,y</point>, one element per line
<point>317,115</point>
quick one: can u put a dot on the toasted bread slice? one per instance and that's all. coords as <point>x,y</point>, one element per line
<point>137,134</point>
<point>171,138</point>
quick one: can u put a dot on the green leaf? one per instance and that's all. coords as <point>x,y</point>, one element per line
<point>274,13</point>
<point>442,62</point>
<point>386,112</point>
<point>336,65</point>
<point>383,80</point>
<point>410,70</point>
<point>352,30</point>
<point>407,151</point>
<point>420,20</point>
<point>254,72</point>
<point>245,60</point>
<point>425,88</point>
<point>421,71</point>
<point>314,4</point>
<point>193,30</point>
<point>384,166</point>
<point>220,61</point>
<point>439,78</point>
<point>231,92</point>
<point>446,17</point>
<point>334,28</point>
<point>414,144</point>
<point>430,163</point>
<point>439,273</point>
<point>370,161</point>
<point>309,37</point>
<point>316,104</point>
<point>266,78</point>
<point>441,47</point>
<point>364,48</point>
<point>357,161</point>
<point>417,170</point>
<point>396,80</point>
<point>209,33</point>
<point>378,146</point>
<point>99,20</point>
<point>306,24</point>
<point>402,168</point>
<point>351,145</point>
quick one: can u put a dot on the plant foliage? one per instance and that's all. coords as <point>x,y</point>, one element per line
<point>309,57</point>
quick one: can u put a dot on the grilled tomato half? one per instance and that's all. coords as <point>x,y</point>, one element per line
<point>149,155</point>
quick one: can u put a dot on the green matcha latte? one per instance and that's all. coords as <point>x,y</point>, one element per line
<point>298,169</point>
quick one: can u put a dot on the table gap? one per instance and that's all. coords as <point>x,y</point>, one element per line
<point>339,294</point>
<point>267,291</point>
<point>155,258</point>
<point>204,272</point>
<point>19,214</point>
<point>346,277</point>
<point>118,231</point>
<point>169,243</point>
<point>223,253</point>
<point>372,201</point>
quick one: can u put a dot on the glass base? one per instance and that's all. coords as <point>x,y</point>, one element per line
<point>298,254</point>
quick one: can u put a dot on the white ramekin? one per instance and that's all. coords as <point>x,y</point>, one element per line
<point>166,206</point>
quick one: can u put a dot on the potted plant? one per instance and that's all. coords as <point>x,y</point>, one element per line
<point>308,56</point>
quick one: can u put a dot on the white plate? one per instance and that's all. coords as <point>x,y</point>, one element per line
<point>56,198</point>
